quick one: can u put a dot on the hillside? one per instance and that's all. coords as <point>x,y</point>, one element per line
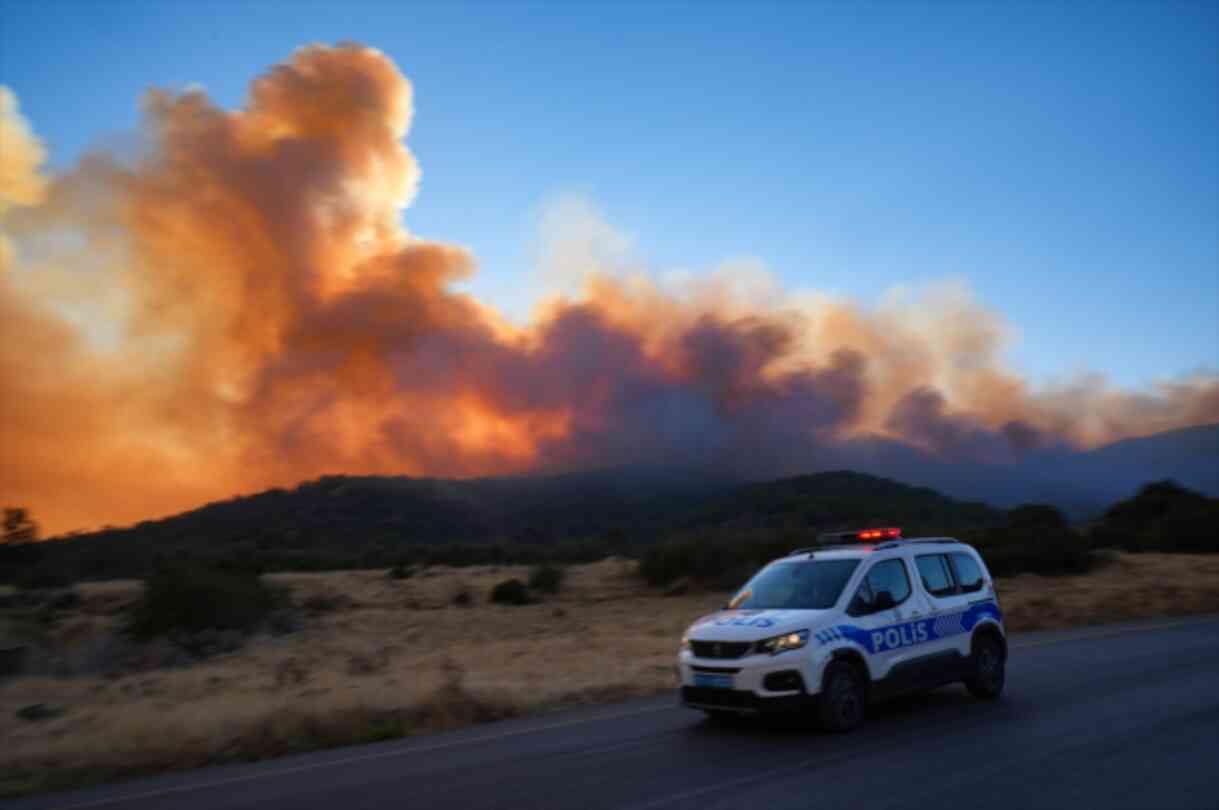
<point>343,522</point>
<point>368,521</point>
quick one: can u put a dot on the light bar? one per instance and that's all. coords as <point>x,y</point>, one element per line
<point>879,534</point>
<point>861,536</point>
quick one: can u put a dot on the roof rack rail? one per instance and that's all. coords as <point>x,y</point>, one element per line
<point>902,541</point>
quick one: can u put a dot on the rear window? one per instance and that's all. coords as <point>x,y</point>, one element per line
<point>968,572</point>
<point>797,585</point>
<point>937,580</point>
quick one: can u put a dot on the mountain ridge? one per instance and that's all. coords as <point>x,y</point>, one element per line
<point>349,521</point>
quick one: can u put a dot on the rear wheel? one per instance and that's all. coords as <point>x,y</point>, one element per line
<point>988,667</point>
<point>842,698</point>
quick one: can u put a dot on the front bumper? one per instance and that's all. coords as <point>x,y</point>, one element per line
<point>760,683</point>
<point>740,702</point>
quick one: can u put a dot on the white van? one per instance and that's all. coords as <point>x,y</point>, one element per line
<point>863,616</point>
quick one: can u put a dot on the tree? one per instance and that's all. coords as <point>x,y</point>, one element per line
<point>1154,503</point>
<point>18,527</point>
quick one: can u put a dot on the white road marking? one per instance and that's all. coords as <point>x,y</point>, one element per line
<point>1099,633</point>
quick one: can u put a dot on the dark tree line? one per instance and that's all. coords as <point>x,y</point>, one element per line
<point>346,523</point>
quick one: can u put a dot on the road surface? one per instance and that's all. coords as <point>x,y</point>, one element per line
<point>1115,717</point>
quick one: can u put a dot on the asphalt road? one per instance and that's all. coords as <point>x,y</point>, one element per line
<point>1116,717</point>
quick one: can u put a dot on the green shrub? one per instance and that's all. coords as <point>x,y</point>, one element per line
<point>511,592</point>
<point>401,571</point>
<point>546,578</point>
<point>193,598</point>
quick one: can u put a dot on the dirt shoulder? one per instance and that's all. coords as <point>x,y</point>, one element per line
<point>374,657</point>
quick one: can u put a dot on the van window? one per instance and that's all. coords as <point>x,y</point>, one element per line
<point>887,576</point>
<point>796,585</point>
<point>937,579</point>
<point>967,571</point>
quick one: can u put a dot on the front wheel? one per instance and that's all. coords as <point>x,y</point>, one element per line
<point>988,667</point>
<point>842,698</point>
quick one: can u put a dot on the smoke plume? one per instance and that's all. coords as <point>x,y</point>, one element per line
<point>238,306</point>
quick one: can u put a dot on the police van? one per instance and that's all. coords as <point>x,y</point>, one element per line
<point>862,616</point>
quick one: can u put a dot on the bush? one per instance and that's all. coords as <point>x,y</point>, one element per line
<point>401,571</point>
<point>546,578</point>
<point>1046,552</point>
<point>720,560</point>
<point>194,598</point>
<point>511,592</point>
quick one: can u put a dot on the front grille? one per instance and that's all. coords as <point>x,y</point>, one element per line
<point>720,649</point>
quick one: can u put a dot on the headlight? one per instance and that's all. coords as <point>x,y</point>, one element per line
<point>783,643</point>
<point>685,642</point>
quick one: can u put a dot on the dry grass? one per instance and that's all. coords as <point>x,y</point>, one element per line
<point>1129,587</point>
<point>395,657</point>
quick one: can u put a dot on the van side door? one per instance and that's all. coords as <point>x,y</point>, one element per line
<point>976,595</point>
<point>882,616</point>
<point>946,601</point>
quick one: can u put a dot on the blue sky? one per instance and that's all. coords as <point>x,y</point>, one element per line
<point>1061,158</point>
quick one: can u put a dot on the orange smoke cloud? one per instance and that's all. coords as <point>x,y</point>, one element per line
<point>240,307</point>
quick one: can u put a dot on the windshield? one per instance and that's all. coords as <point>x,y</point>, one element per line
<point>796,585</point>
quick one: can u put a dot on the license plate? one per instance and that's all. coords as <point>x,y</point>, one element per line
<point>712,681</point>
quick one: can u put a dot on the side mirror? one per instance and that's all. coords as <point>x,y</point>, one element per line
<point>883,601</point>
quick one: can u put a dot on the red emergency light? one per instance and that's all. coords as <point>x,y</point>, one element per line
<point>858,536</point>
<point>879,534</point>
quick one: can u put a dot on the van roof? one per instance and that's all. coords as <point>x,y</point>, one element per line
<point>847,550</point>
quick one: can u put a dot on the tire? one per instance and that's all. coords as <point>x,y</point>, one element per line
<point>988,666</point>
<point>843,698</point>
